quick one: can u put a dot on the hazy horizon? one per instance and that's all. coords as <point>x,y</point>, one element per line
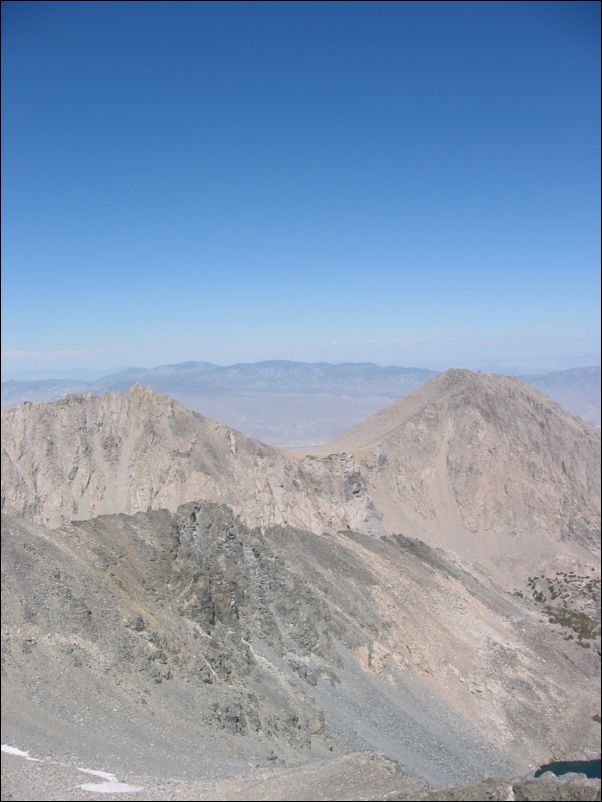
<point>510,367</point>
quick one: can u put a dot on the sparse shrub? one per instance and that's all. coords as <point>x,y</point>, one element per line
<point>582,624</point>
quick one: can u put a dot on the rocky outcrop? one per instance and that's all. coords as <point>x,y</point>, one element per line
<point>285,641</point>
<point>86,455</point>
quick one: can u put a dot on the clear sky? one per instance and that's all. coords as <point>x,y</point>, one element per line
<point>402,183</point>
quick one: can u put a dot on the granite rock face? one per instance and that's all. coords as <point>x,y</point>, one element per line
<point>87,455</point>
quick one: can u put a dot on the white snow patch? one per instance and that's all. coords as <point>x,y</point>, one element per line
<point>110,788</point>
<point>111,785</point>
<point>12,750</point>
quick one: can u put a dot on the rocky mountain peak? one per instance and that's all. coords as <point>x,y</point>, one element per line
<point>479,464</point>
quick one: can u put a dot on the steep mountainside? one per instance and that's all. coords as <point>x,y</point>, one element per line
<point>127,452</point>
<point>481,464</point>
<point>294,638</point>
<point>275,645</point>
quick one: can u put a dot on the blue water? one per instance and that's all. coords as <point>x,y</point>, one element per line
<point>591,768</point>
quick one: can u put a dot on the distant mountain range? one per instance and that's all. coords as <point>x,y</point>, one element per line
<point>295,404</point>
<point>577,390</point>
<point>354,379</point>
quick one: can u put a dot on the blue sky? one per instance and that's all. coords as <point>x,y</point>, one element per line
<point>402,183</point>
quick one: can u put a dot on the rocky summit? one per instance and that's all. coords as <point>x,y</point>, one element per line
<point>485,466</point>
<point>87,455</point>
